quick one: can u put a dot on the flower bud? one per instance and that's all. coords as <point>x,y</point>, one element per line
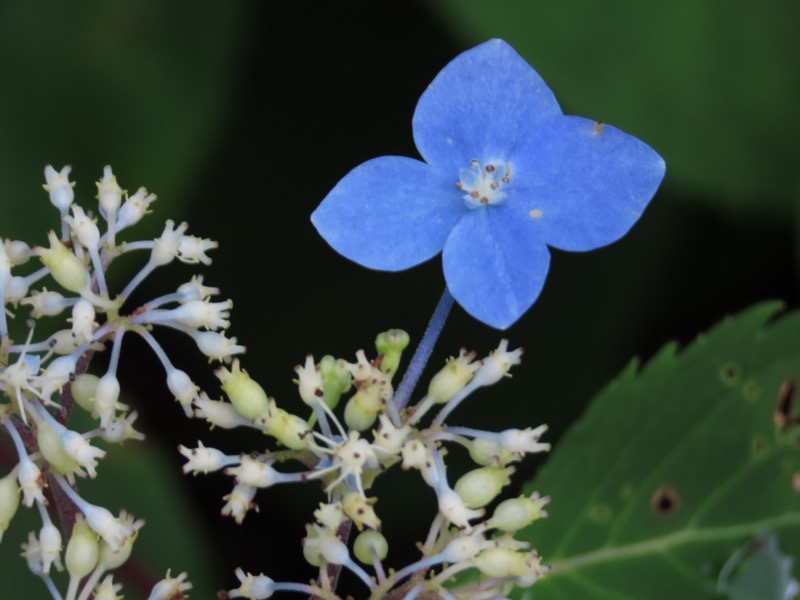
<point>109,194</point>
<point>309,382</point>
<point>83,550</point>
<point>60,187</point>
<point>501,562</point>
<point>336,380</point>
<point>497,365</point>
<point>9,500</point>
<point>247,397</point>
<point>84,390</point>
<point>453,377</point>
<point>45,303</point>
<point>50,546</point>
<point>357,417</point>
<point>52,449</point>
<point>515,513</point>
<point>64,266</point>
<point>480,486</point>
<point>183,388</point>
<point>288,429</point>
<point>106,398</point>
<point>134,208</point>
<point>488,453</point>
<point>370,542</point>
<point>391,345</point>
<point>360,510</point>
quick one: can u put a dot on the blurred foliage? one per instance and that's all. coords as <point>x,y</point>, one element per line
<point>138,85</point>
<point>713,86</point>
<point>675,465</point>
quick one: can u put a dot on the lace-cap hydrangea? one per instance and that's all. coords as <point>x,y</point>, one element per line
<point>505,175</point>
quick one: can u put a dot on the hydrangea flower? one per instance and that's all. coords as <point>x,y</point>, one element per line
<point>505,175</point>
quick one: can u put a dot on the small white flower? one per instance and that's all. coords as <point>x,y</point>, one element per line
<point>192,249</point>
<point>165,248</point>
<point>183,388</point>
<point>78,449</point>
<point>218,413</point>
<point>60,187</point>
<point>523,441</point>
<point>114,531</point>
<point>109,194</point>
<point>216,346</point>
<point>239,501</point>
<point>107,589</point>
<point>50,547</point>
<point>45,303</point>
<point>120,428</point>
<point>170,588</point>
<point>254,472</point>
<point>205,460</point>
<point>253,587</point>
<point>201,313</point>
<point>84,228</point>
<point>195,290</point>
<point>309,382</point>
<point>496,366</point>
<point>31,482</point>
<point>134,208</point>
<point>83,321</point>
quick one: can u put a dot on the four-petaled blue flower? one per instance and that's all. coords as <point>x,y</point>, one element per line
<point>506,174</point>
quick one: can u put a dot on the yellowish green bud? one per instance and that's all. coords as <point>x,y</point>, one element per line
<point>501,562</point>
<point>83,550</point>
<point>360,510</point>
<point>489,454</point>
<point>84,388</point>
<point>357,417</point>
<point>369,542</point>
<point>453,377</point>
<point>336,380</point>
<point>52,449</point>
<point>288,429</point>
<point>9,500</point>
<point>311,549</point>
<point>248,398</point>
<point>516,513</point>
<point>391,345</point>
<point>64,266</point>
<point>480,486</point>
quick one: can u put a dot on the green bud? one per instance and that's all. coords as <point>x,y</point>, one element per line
<point>489,454</point>
<point>311,550</point>
<point>53,451</point>
<point>83,550</point>
<point>357,417</point>
<point>83,390</point>
<point>9,500</point>
<point>248,398</point>
<point>367,541</point>
<point>336,380</point>
<point>516,513</point>
<point>64,266</point>
<point>501,562</point>
<point>453,377</point>
<point>480,486</point>
<point>391,345</point>
<point>289,429</point>
<point>360,510</point>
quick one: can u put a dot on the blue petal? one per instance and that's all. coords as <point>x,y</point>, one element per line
<point>479,106</point>
<point>586,183</point>
<point>495,264</point>
<point>390,213</point>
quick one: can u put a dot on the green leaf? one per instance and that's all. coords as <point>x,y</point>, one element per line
<point>675,466</point>
<point>713,86</point>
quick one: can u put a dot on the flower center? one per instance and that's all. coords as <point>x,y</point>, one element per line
<point>484,185</point>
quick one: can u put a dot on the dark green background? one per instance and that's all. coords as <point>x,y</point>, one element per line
<point>241,116</point>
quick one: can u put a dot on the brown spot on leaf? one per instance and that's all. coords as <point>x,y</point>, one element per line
<point>665,500</point>
<point>782,416</point>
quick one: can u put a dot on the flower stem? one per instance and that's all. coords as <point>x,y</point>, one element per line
<point>423,351</point>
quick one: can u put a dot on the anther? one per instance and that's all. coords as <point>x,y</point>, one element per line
<point>474,163</point>
<point>459,186</point>
<point>490,168</point>
<point>473,194</point>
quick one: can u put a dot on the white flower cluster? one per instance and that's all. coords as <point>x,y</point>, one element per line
<point>42,380</point>
<point>346,457</point>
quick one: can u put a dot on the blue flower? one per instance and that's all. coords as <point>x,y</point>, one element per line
<point>505,175</point>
